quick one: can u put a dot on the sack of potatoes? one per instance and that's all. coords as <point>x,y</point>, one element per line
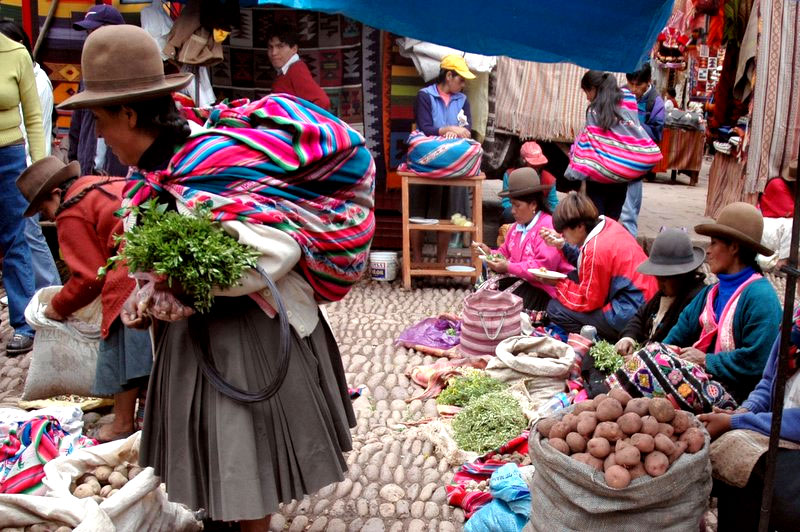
<point>103,481</point>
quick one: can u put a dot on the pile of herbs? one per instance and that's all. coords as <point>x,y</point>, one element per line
<point>489,421</point>
<point>194,251</point>
<point>605,356</point>
<point>461,390</point>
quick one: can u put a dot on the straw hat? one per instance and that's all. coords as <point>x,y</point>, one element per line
<point>122,64</point>
<point>40,178</point>
<point>672,254</point>
<point>523,182</point>
<point>740,222</point>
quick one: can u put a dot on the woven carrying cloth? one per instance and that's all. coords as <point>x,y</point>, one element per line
<point>284,162</point>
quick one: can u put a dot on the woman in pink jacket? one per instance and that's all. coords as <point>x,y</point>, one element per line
<point>524,249</point>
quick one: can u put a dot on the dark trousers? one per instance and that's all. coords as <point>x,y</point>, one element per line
<point>607,197</point>
<point>533,297</point>
<point>739,508</point>
<point>572,321</point>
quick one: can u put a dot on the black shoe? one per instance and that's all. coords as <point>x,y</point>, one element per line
<point>19,345</point>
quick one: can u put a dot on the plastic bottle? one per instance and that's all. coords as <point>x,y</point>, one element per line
<point>559,401</point>
<point>589,332</point>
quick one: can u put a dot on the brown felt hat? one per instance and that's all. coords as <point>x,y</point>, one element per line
<point>740,222</point>
<point>122,64</point>
<point>523,182</point>
<point>40,178</point>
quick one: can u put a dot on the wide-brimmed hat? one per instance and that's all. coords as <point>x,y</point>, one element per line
<point>740,222</point>
<point>672,254</point>
<point>532,153</point>
<point>122,64</point>
<point>100,15</point>
<point>523,182</point>
<point>40,178</point>
<point>457,64</point>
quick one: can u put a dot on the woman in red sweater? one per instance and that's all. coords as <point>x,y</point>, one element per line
<point>84,211</point>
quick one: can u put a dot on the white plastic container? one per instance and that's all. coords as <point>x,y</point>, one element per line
<point>383,265</point>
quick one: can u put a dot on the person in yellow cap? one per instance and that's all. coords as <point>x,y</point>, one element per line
<point>442,109</point>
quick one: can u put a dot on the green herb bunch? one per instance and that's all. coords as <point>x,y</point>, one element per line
<point>193,251</point>
<point>461,390</point>
<point>488,422</point>
<point>606,357</point>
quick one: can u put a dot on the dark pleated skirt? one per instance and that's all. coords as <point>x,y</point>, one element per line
<point>533,297</point>
<point>240,461</point>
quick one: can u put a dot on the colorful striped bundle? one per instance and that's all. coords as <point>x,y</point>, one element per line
<point>441,157</point>
<point>617,155</point>
<point>283,162</point>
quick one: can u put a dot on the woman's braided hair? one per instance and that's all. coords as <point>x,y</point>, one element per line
<point>74,200</point>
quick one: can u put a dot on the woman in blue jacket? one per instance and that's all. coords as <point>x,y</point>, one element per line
<point>442,110</point>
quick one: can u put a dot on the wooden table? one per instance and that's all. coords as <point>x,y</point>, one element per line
<point>683,152</point>
<point>476,231</point>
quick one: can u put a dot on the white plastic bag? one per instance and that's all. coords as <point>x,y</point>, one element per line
<point>64,357</point>
<point>141,504</point>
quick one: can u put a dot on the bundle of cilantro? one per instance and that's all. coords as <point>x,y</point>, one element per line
<point>193,251</point>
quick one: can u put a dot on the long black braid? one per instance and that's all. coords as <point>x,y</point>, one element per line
<point>74,200</point>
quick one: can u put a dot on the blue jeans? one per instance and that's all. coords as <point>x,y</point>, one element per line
<point>17,274</point>
<point>630,210</point>
<point>44,268</point>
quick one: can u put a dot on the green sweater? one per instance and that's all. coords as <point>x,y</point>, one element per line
<point>18,86</point>
<point>755,325</point>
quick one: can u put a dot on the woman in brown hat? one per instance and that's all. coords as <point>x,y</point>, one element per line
<point>236,458</point>
<point>729,327</point>
<point>524,249</point>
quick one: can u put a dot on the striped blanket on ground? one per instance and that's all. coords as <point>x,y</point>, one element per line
<point>615,155</point>
<point>283,162</point>
<point>441,157</point>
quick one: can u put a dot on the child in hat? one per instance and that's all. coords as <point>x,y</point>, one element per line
<point>84,211</point>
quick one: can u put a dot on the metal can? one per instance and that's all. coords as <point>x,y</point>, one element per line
<point>589,332</point>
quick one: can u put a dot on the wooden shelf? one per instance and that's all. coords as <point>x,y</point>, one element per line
<point>443,273</point>
<point>443,225</point>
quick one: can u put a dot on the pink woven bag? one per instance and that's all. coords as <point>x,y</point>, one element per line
<point>488,318</point>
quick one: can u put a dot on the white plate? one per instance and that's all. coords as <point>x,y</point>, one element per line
<point>459,268</point>
<point>423,221</point>
<point>548,274</point>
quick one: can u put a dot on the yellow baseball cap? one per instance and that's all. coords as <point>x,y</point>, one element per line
<point>458,64</point>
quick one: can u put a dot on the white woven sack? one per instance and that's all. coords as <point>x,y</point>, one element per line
<point>64,357</point>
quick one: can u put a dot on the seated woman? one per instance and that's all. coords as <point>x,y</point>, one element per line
<point>777,208</point>
<point>609,290</point>
<point>523,248</point>
<point>674,263</point>
<point>729,326</point>
<point>738,507</point>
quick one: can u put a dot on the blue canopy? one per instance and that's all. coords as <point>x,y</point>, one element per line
<point>613,35</point>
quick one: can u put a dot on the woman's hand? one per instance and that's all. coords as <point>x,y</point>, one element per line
<point>717,423</point>
<point>499,265</point>
<point>131,314</point>
<point>625,346</point>
<point>551,238</point>
<point>482,247</point>
<point>693,355</point>
<point>51,314</point>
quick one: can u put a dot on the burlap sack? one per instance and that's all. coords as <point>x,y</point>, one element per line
<point>569,495</point>
<point>736,453</point>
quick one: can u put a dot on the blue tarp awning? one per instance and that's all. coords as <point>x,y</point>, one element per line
<point>613,35</point>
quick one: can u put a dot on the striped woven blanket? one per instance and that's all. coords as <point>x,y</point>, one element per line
<point>283,162</point>
<point>441,157</point>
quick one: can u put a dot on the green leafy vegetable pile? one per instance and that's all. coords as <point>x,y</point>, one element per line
<point>606,357</point>
<point>461,390</point>
<point>488,422</point>
<point>193,251</point>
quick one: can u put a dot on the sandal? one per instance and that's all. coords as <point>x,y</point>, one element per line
<point>103,434</point>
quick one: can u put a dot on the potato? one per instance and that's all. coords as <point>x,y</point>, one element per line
<point>63,529</point>
<point>666,428</point>
<point>608,430</point>
<point>630,423</point>
<point>117,479</point>
<point>544,426</point>
<point>560,430</point>
<point>656,464</point>
<point>621,444</point>
<point>84,491</point>
<point>101,473</point>
<point>587,425</point>
<point>559,445</point>
<point>572,421</point>
<point>680,448</point>
<point>576,442</point>
<point>610,460</point>
<point>662,410</point>
<point>649,426</point>
<point>609,410</point>
<point>644,442</point>
<point>599,447</point>
<point>599,398</point>
<point>105,490</point>
<point>583,406</point>
<point>112,493</point>
<point>581,457</point>
<point>681,422</point>
<point>638,405</point>
<point>694,438</point>
<point>122,468</point>
<point>628,457</point>
<point>620,395</point>
<point>664,444</point>
<point>135,470</point>
<point>617,477</point>
<point>595,463</point>
<point>637,471</point>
